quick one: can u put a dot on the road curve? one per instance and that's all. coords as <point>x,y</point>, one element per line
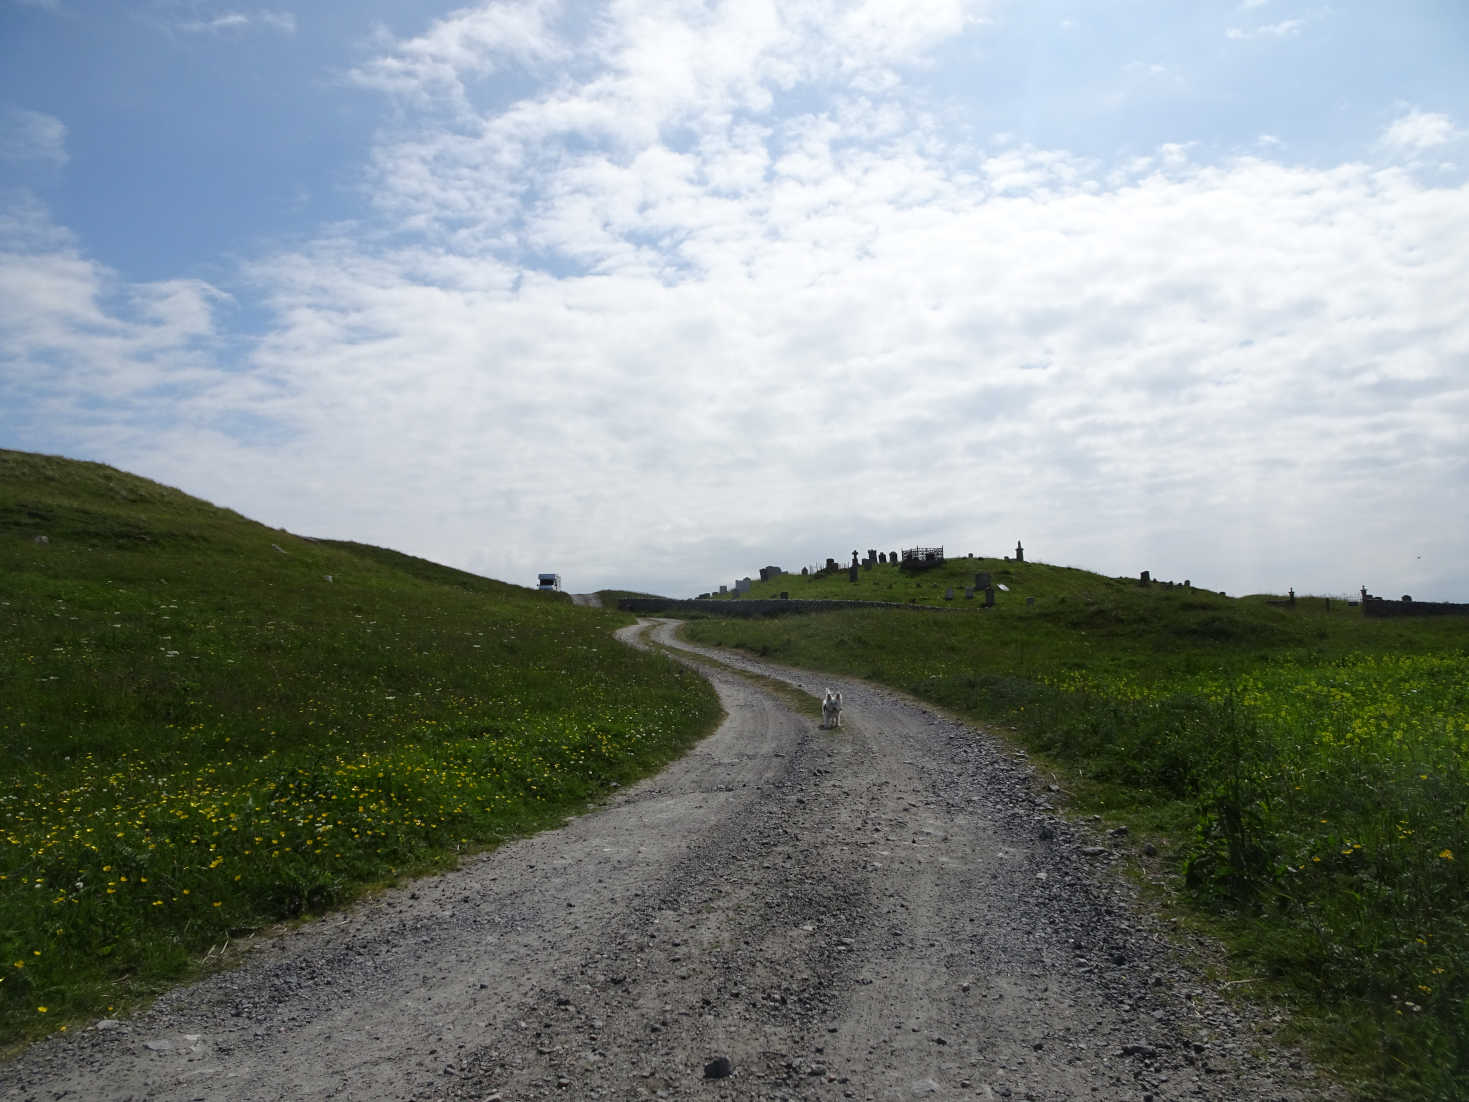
<point>888,911</point>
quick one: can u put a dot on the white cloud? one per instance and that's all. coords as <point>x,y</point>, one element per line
<point>1420,131</point>
<point>31,136</point>
<point>73,334</point>
<point>1286,28</point>
<point>283,22</point>
<point>652,63</point>
<point>664,67</point>
<point>467,44</point>
<point>227,21</point>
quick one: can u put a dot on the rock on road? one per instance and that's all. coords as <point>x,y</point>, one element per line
<point>888,911</point>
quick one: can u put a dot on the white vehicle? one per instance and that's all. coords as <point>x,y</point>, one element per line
<point>550,583</point>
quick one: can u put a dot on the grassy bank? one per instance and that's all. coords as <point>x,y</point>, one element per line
<point>1305,767</point>
<point>207,725</point>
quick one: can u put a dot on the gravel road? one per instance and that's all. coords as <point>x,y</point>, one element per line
<point>888,911</point>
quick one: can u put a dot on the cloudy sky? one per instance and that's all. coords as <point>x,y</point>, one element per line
<point>656,292</point>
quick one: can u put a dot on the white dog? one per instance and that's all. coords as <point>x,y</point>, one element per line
<point>831,709</point>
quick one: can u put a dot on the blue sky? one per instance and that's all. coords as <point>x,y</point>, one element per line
<point>657,292</point>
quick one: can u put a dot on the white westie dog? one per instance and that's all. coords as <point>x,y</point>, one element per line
<point>831,709</point>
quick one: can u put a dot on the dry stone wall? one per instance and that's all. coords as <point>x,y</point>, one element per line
<point>1377,607</point>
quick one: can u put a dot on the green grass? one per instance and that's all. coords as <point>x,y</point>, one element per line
<point>1305,768</point>
<point>207,726</point>
<point>885,582</point>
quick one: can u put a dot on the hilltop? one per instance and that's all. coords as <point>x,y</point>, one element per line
<point>952,582</point>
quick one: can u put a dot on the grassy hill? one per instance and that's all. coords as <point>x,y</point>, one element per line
<point>207,725</point>
<point>427,571</point>
<point>1039,605</point>
<point>1300,770</point>
<point>887,582</point>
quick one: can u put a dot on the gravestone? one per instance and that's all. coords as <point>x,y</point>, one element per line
<point>982,579</point>
<point>1146,577</point>
<point>949,594</point>
<point>1019,552</point>
<point>989,596</point>
<point>852,571</point>
<point>969,592</point>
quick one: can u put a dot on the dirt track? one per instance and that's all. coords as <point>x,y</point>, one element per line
<point>890,911</point>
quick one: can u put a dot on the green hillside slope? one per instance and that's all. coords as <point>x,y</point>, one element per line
<point>889,582</point>
<point>206,725</point>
